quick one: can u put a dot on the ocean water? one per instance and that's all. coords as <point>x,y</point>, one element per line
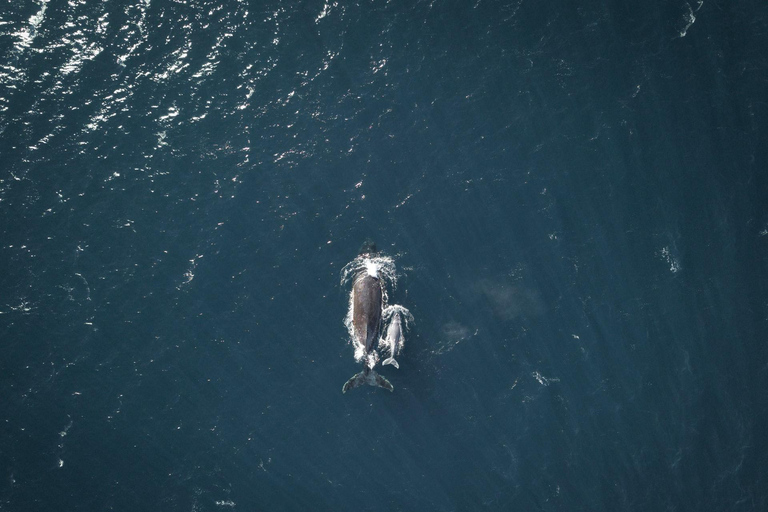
<point>575,195</point>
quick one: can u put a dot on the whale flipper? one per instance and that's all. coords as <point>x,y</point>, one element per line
<point>369,377</point>
<point>391,360</point>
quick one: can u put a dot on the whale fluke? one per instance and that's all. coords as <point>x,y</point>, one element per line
<point>369,377</point>
<point>391,360</point>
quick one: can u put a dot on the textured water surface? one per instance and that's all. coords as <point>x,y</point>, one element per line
<point>574,194</point>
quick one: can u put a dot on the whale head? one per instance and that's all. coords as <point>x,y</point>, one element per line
<point>368,248</point>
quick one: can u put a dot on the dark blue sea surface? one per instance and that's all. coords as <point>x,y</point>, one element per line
<point>575,195</point>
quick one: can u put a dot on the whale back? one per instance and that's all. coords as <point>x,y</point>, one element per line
<point>366,311</point>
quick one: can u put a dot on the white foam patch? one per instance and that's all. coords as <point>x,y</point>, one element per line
<point>666,255</point>
<point>689,18</point>
<point>383,266</point>
<point>371,268</point>
<point>543,380</point>
<point>404,313</point>
<point>27,35</point>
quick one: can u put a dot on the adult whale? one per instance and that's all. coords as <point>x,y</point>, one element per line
<point>367,304</point>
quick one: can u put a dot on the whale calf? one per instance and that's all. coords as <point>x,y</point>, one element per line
<point>394,339</point>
